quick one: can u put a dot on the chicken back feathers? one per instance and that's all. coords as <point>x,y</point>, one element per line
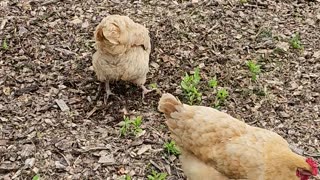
<point>229,148</point>
<point>123,49</point>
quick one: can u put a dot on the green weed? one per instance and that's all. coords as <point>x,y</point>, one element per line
<point>137,125</point>
<point>254,68</point>
<point>153,86</point>
<point>127,177</point>
<point>125,126</point>
<point>221,95</point>
<point>36,177</point>
<point>5,45</point>
<point>157,176</point>
<point>171,148</point>
<point>295,41</point>
<point>189,85</point>
<point>131,126</point>
<point>213,83</point>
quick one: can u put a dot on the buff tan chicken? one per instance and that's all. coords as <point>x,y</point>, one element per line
<point>216,146</point>
<point>122,52</point>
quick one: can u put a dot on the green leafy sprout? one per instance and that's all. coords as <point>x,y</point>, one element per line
<point>127,177</point>
<point>157,176</point>
<point>5,45</point>
<point>254,68</point>
<point>189,85</point>
<point>221,97</point>
<point>36,177</point>
<point>213,83</point>
<point>171,148</point>
<point>153,86</point>
<point>295,41</point>
<point>131,126</point>
<point>222,94</point>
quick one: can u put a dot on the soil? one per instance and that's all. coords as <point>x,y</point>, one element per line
<point>51,125</point>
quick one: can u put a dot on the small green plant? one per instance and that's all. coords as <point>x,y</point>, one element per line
<point>5,45</point>
<point>36,177</point>
<point>125,126</point>
<point>213,83</point>
<point>254,68</point>
<point>171,148</point>
<point>131,126</point>
<point>189,86</point>
<point>127,177</point>
<point>295,41</point>
<point>153,86</point>
<point>137,125</point>
<point>157,176</point>
<point>221,95</point>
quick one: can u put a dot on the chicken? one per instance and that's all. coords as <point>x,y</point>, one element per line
<point>215,145</point>
<point>122,52</point>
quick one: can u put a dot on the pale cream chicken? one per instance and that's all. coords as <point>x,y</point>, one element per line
<point>216,146</point>
<point>122,52</point>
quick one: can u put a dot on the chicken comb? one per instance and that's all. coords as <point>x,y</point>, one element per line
<point>313,165</point>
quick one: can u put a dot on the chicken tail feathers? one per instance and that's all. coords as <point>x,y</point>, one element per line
<point>168,104</point>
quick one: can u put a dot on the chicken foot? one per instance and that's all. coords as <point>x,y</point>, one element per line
<point>108,93</point>
<point>145,91</point>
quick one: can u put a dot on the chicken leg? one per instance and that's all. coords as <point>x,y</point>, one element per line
<point>145,91</point>
<point>108,93</point>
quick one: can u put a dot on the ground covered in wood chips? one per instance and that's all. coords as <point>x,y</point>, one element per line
<point>50,124</point>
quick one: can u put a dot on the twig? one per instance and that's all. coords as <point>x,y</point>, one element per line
<point>65,158</point>
<point>155,165</point>
<point>74,162</point>
<point>48,2</point>
<point>16,174</point>
<point>92,111</point>
<point>230,3</point>
<point>65,51</point>
<point>3,23</point>
<point>84,150</point>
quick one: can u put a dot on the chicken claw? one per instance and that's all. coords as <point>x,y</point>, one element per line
<point>108,93</point>
<point>145,91</point>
